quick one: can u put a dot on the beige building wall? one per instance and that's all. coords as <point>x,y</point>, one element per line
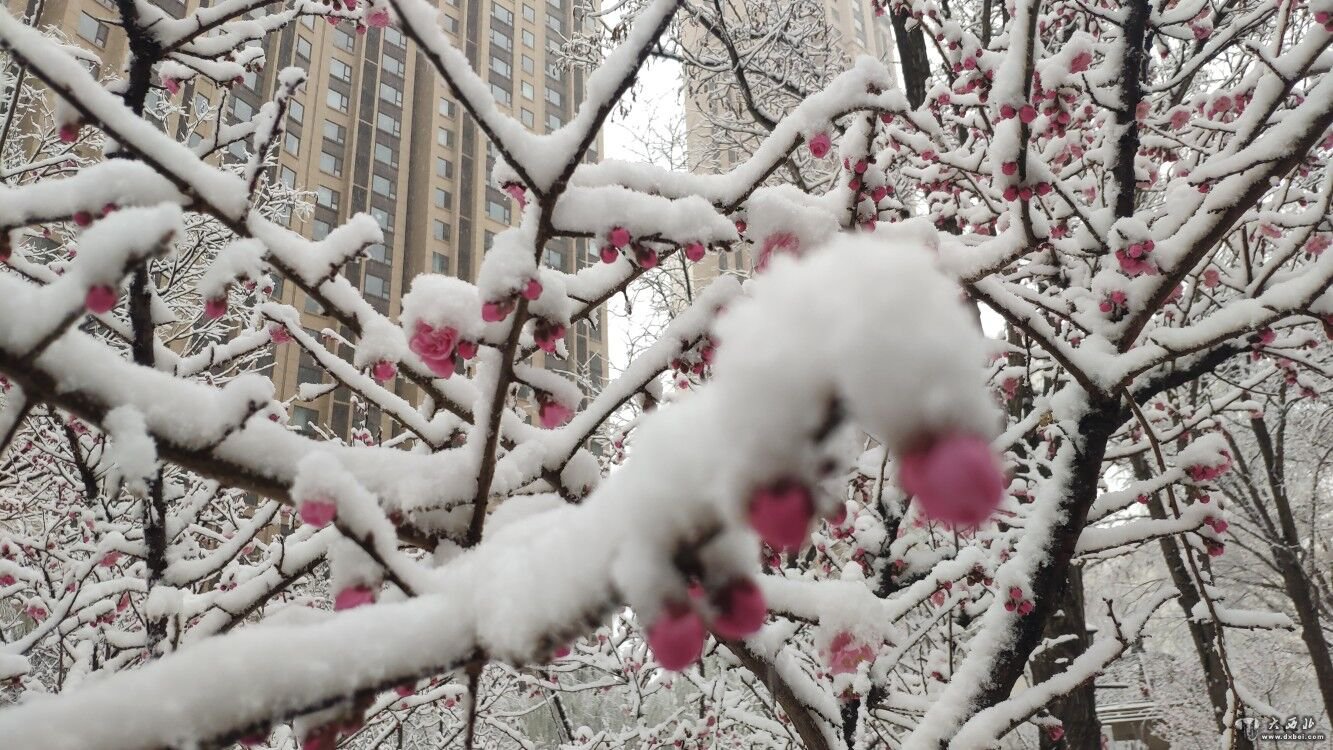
<point>858,32</point>
<point>375,130</point>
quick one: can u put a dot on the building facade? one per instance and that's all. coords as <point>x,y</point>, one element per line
<point>851,29</point>
<point>375,130</point>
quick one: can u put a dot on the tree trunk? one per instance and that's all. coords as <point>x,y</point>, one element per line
<point>1077,710</point>
<point>1049,579</point>
<point>1204,634</point>
<point>911,44</point>
<point>1286,554</point>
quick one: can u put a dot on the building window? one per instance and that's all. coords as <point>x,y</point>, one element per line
<point>439,263</point>
<point>296,111</point>
<point>449,23</point>
<point>529,40</point>
<point>529,13</point>
<point>443,199</point>
<point>335,132</point>
<point>553,122</point>
<point>502,67</point>
<point>320,230</point>
<point>441,230</point>
<point>92,29</point>
<point>446,107</point>
<point>304,419</point>
<point>291,143</point>
<point>555,24</point>
<point>384,218</point>
<point>528,118</point>
<point>497,211</point>
<point>553,96</point>
<point>287,177</point>
<point>528,91</point>
<point>330,164</point>
<point>501,40</point>
<point>340,70</point>
<point>502,13</point>
<point>326,197</point>
<point>337,100</point>
<point>554,258</point>
<point>501,94</point>
<point>382,186</point>
<point>389,124</point>
<point>376,286</point>
<point>444,168</point>
<point>342,40</point>
<point>393,36</point>
<point>529,65</point>
<point>391,93</point>
<point>386,155</point>
<point>394,65</point>
<point>553,72</point>
<point>378,252</point>
<point>444,137</point>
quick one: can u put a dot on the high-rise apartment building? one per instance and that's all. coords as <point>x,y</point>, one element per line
<point>375,130</point>
<point>851,29</point>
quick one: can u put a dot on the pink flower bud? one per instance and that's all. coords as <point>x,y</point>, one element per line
<point>277,333</point>
<point>646,257</point>
<point>956,479</point>
<point>741,609</point>
<point>435,346</point>
<point>609,254</point>
<point>317,512</point>
<point>694,252</point>
<point>532,290</point>
<point>353,597</point>
<point>82,218</point>
<point>172,85</point>
<point>518,193</point>
<point>618,237</point>
<point>384,371</point>
<point>819,145</point>
<point>496,310</point>
<point>100,299</point>
<point>69,132</point>
<point>215,307</point>
<point>677,636</point>
<point>845,653</point>
<point>553,414</point>
<point>781,512</point>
